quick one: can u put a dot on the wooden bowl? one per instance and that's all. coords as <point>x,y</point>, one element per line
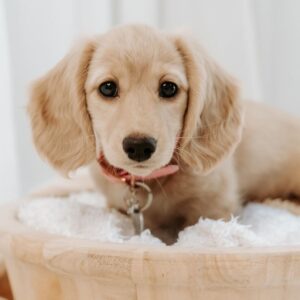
<point>48,267</point>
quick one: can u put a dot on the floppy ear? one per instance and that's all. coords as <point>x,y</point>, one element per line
<point>213,119</point>
<point>61,126</point>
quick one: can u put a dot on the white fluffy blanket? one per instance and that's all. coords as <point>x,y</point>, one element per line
<point>85,216</point>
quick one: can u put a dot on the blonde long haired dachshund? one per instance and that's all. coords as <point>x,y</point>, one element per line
<point>140,102</point>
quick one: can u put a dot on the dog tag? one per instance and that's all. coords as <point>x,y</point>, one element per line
<point>137,218</point>
<point>134,208</point>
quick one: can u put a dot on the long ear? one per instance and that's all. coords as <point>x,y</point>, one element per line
<point>61,126</point>
<point>213,120</point>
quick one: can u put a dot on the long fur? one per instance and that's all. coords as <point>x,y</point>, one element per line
<point>62,130</point>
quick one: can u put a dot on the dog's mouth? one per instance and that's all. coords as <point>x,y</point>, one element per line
<point>115,174</point>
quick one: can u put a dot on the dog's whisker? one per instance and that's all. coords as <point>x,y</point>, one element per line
<point>70,154</point>
<point>187,153</point>
<point>178,162</point>
<point>75,140</point>
<point>162,189</point>
<point>194,137</point>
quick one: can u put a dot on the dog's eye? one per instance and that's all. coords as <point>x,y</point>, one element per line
<point>168,89</point>
<point>108,89</point>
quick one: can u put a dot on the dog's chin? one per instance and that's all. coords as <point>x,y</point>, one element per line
<point>119,170</point>
<point>124,169</point>
<point>139,170</point>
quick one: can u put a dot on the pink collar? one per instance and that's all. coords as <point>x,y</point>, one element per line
<point>117,175</point>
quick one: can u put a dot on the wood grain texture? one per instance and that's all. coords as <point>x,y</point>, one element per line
<point>48,267</point>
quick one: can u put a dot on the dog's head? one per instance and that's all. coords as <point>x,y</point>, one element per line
<point>137,98</point>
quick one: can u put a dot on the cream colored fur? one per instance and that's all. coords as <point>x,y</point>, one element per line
<point>229,151</point>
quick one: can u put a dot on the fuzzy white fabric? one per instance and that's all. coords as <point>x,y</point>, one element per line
<point>85,216</point>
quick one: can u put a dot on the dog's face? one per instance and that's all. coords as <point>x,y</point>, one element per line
<point>136,93</point>
<point>133,97</point>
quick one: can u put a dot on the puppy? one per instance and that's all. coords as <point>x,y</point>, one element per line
<point>139,102</point>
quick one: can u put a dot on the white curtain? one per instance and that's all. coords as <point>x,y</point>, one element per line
<point>257,41</point>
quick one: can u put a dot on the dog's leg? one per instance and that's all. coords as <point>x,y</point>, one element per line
<point>214,203</point>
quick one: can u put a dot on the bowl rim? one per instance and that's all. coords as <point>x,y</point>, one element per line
<point>10,227</point>
<point>136,263</point>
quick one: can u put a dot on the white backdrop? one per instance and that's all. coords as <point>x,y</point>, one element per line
<point>257,41</point>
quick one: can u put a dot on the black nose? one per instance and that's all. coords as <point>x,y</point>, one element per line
<point>139,149</point>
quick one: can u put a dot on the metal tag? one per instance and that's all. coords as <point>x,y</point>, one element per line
<point>134,208</point>
<point>137,219</point>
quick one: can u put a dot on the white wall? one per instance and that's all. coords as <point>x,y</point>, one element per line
<point>258,41</point>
